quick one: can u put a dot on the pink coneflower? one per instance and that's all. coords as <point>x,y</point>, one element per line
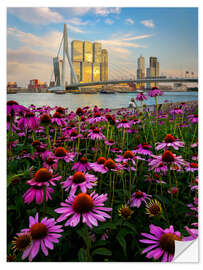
<point>57,118</point>
<point>89,207</point>
<point>116,150</point>
<point>126,157</point>
<point>194,145</point>
<point>62,153</point>
<point>45,119</point>
<point>110,142</point>
<point>73,135</point>
<point>141,97</point>
<point>143,149</point>
<point>168,158</point>
<point>43,177</point>
<point>135,121</point>
<point>37,193</point>
<point>110,165</point>
<point>111,119</point>
<point>192,232</point>
<point>162,243</point>
<point>43,234</point>
<point>154,179</point>
<point>170,140</point>
<point>155,92</point>
<point>96,134</point>
<point>177,111</point>
<point>13,107</point>
<point>137,198</point>
<point>82,165</point>
<point>126,166</point>
<point>173,190</point>
<point>82,180</point>
<point>194,184</point>
<point>50,163</point>
<point>193,118</point>
<point>98,166</point>
<point>191,167</point>
<point>97,117</point>
<point>124,123</point>
<point>29,121</point>
<point>61,110</point>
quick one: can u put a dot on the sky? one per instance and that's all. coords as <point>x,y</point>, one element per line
<point>34,35</point>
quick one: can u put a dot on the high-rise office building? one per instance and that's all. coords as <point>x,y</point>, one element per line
<point>154,69</point>
<point>97,52</point>
<point>77,50</point>
<point>104,65</point>
<point>58,63</point>
<point>87,52</point>
<point>148,85</point>
<point>86,72</point>
<point>90,62</point>
<point>95,72</point>
<point>141,70</point>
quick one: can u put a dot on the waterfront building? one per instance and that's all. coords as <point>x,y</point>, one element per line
<point>12,85</point>
<point>96,72</point>
<point>87,52</point>
<point>148,85</point>
<point>58,63</point>
<point>97,47</point>
<point>104,65</point>
<point>36,84</point>
<point>86,72</point>
<point>77,51</point>
<point>154,69</point>
<point>141,70</point>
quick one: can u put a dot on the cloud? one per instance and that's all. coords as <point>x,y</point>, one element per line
<point>109,21</point>
<point>148,23</point>
<point>45,16</point>
<point>129,21</point>
<point>107,11</point>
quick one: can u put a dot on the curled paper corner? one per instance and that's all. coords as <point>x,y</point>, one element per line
<point>186,251</point>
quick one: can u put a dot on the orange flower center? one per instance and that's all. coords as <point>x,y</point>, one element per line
<point>50,161</point>
<point>38,231</point>
<point>83,160</point>
<point>45,119</point>
<point>193,165</point>
<point>60,110</point>
<point>125,212</point>
<point>124,121</point>
<point>12,102</point>
<point>57,115</point>
<point>83,203</point>
<point>154,210</point>
<point>111,141</point>
<point>60,152</point>
<point>22,241</point>
<point>169,138</point>
<point>97,115</point>
<point>128,154</point>
<point>139,194</point>
<point>167,242</point>
<point>168,156</point>
<point>145,146</point>
<point>78,178</point>
<point>36,143</point>
<point>110,164</point>
<point>73,133</point>
<point>42,175</point>
<point>79,111</point>
<point>96,130</point>
<point>101,160</point>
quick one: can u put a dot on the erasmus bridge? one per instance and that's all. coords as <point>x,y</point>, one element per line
<point>131,82</point>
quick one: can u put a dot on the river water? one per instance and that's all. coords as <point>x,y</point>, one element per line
<point>112,101</point>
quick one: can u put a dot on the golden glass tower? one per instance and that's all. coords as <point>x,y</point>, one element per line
<point>104,65</point>
<point>86,72</point>
<point>97,52</point>
<point>77,50</point>
<point>141,70</point>
<point>87,52</point>
<point>154,69</point>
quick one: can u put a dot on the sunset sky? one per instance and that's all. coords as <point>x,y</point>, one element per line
<point>34,35</point>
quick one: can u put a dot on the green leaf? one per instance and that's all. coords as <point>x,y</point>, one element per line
<point>121,239</point>
<point>82,255</point>
<point>102,251</point>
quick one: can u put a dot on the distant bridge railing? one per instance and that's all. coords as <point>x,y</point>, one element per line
<point>146,80</point>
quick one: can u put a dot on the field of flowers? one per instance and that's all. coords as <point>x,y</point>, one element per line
<point>93,185</point>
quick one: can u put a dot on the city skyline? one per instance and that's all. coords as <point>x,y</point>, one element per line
<point>34,36</point>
